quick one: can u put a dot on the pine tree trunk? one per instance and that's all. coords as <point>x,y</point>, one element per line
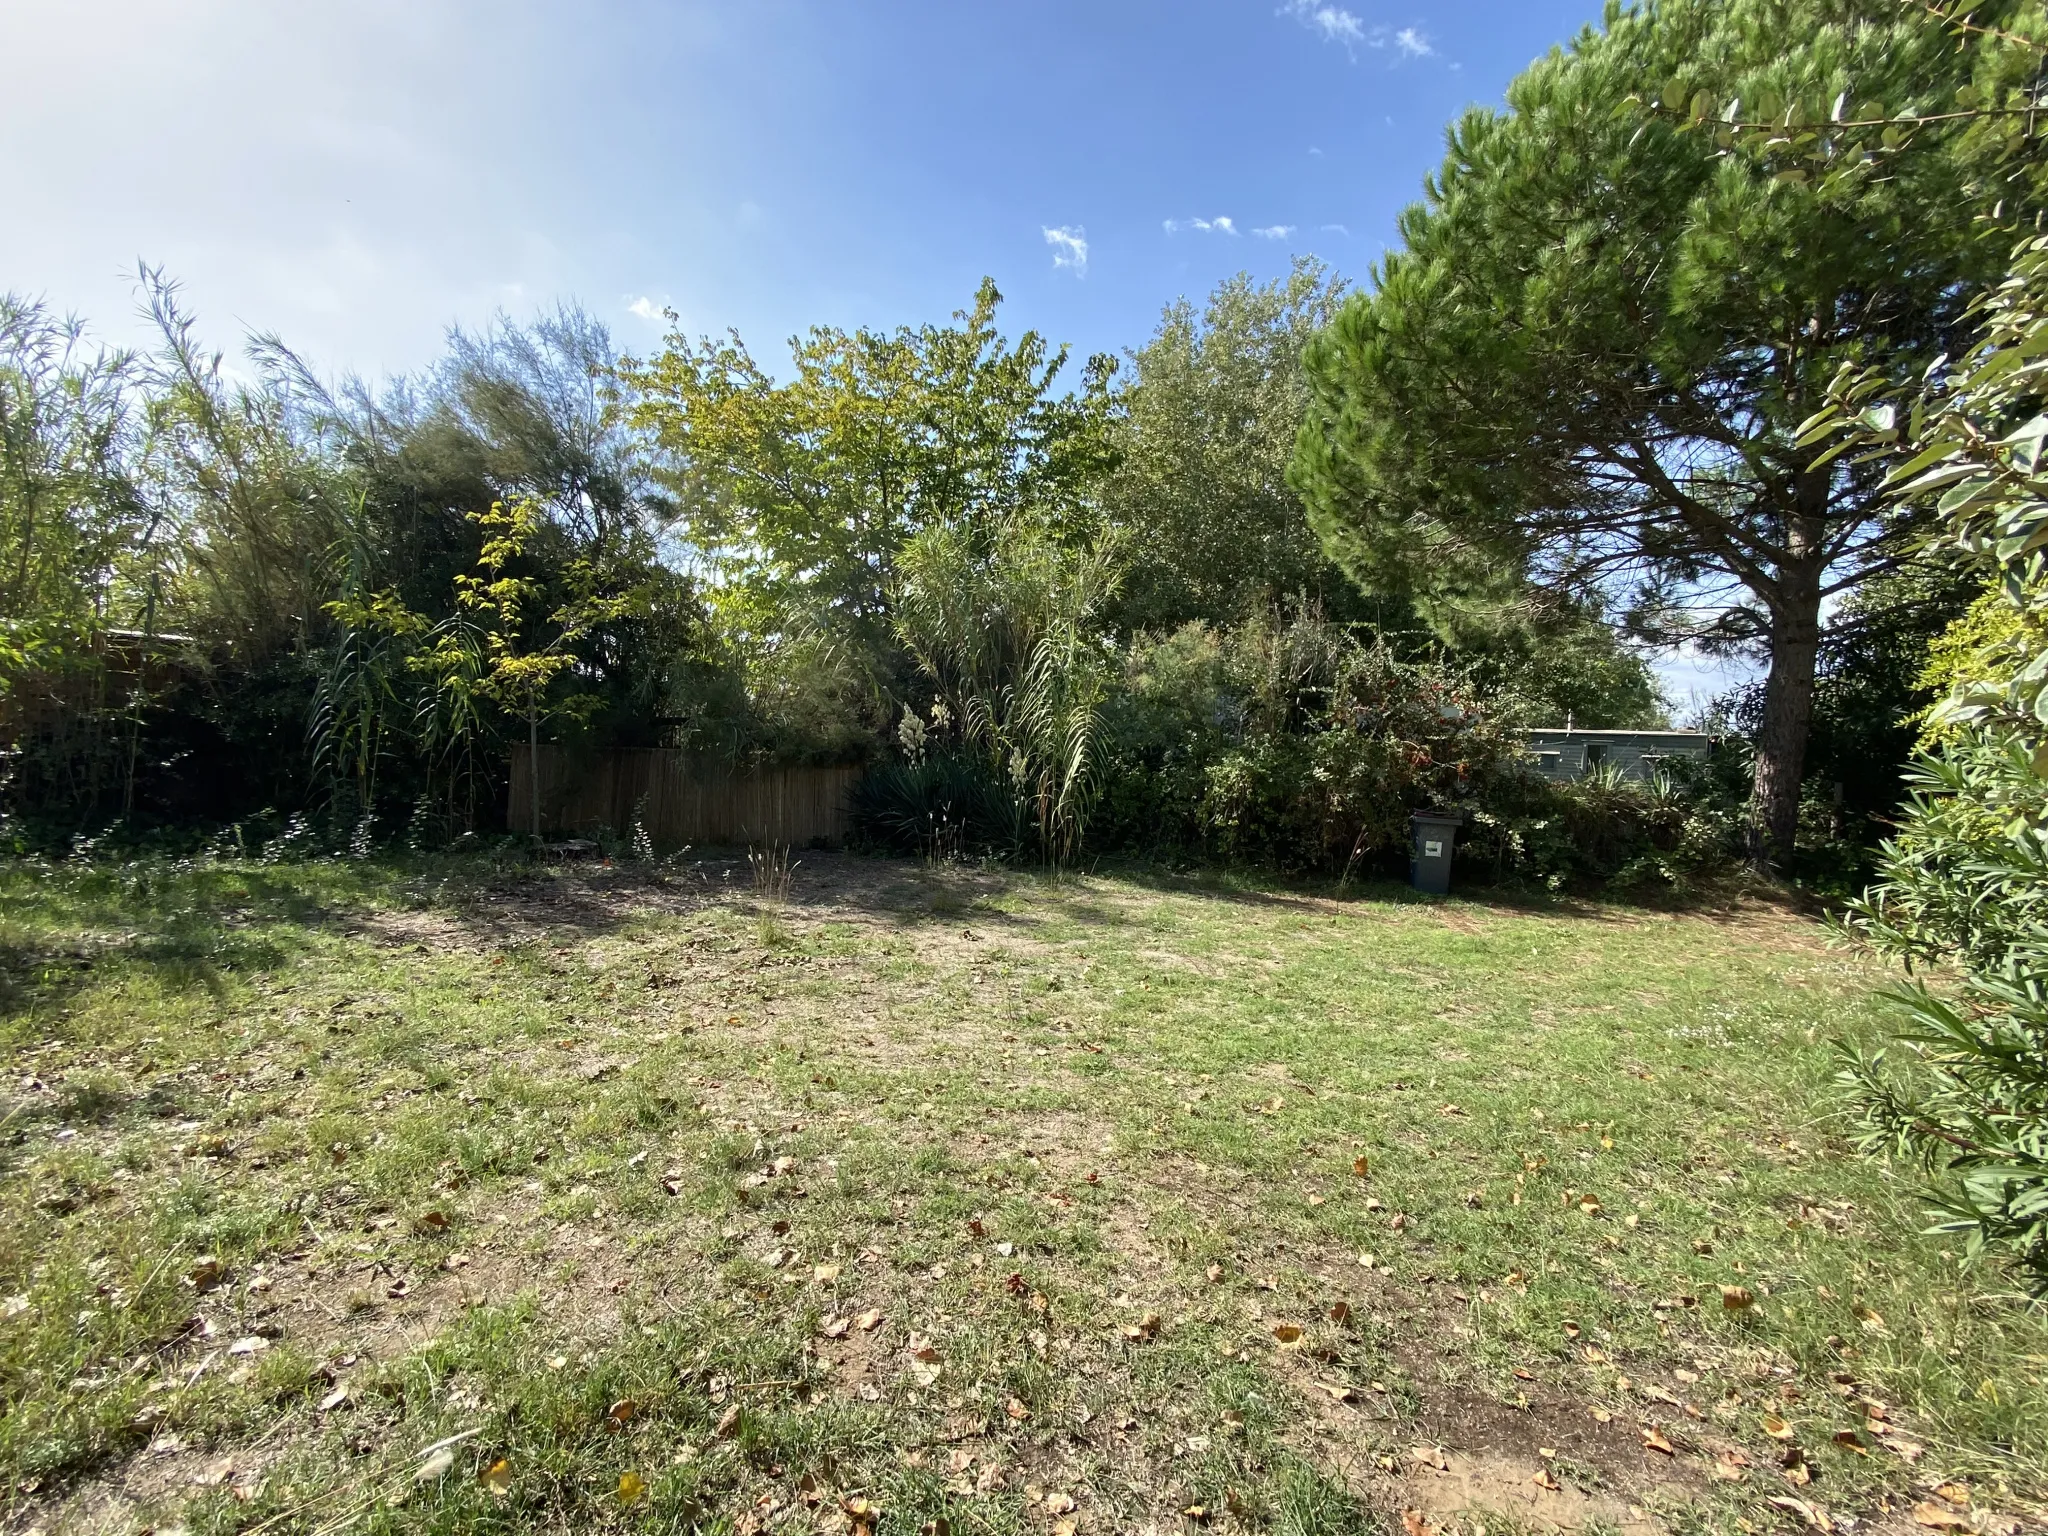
<point>1781,734</point>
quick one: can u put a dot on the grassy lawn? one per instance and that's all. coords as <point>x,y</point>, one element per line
<point>427,1198</point>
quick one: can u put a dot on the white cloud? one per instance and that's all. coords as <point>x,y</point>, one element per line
<point>1274,232</point>
<point>1336,24</point>
<point>648,310</point>
<point>1069,248</point>
<point>1222,224</point>
<point>1336,229</point>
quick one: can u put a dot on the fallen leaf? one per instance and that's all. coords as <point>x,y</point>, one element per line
<point>1817,1518</point>
<point>1728,1466</point>
<point>1430,1456</point>
<point>434,1221</point>
<point>1602,1416</point>
<point>1571,1329</point>
<point>1955,1493</point>
<point>1016,1410</point>
<point>1215,1273</point>
<point>835,1327</point>
<point>1522,1375</point>
<point>435,1467</point>
<point>1938,1518</point>
<point>253,1344</point>
<point>1849,1440</point>
<point>825,1274</point>
<point>1543,1479</point>
<point>1737,1298</point>
<point>1653,1440</point>
<point>206,1273</point>
<point>632,1488</point>
<point>398,1289</point>
<point>1338,1391</point>
<point>1065,1527</point>
<point>15,1306</point>
<point>1412,1524</point>
<point>1361,1167</point>
<point>1340,1312</point>
<point>497,1477</point>
<point>622,1411</point>
<point>1776,1427</point>
<point>334,1399</point>
<point>1059,1504</point>
<point>1145,1328</point>
<point>728,1423</point>
<point>1590,1204</point>
<point>1287,1333</point>
<point>869,1321</point>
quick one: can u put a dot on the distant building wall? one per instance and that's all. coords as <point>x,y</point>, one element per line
<point>1561,753</point>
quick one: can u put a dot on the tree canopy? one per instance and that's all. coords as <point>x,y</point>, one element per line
<point>800,494</point>
<point>1589,357</point>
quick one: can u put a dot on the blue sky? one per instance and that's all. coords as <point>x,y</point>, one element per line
<point>358,176</point>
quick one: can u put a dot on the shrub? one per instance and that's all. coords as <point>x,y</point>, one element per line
<point>1606,828</point>
<point>1288,741</point>
<point>1962,1092</point>
<point>942,807</point>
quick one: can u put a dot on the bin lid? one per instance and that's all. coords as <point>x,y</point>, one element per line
<point>1437,818</point>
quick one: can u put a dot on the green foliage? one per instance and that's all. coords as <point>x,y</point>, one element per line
<point>74,526</point>
<point>1590,357</point>
<point>941,808</point>
<point>1214,401</point>
<point>1289,742</point>
<point>1966,881</point>
<point>1006,627</point>
<point>802,494</point>
<point>1604,828</point>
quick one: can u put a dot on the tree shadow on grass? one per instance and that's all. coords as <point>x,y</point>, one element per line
<point>186,928</point>
<point>1731,899</point>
